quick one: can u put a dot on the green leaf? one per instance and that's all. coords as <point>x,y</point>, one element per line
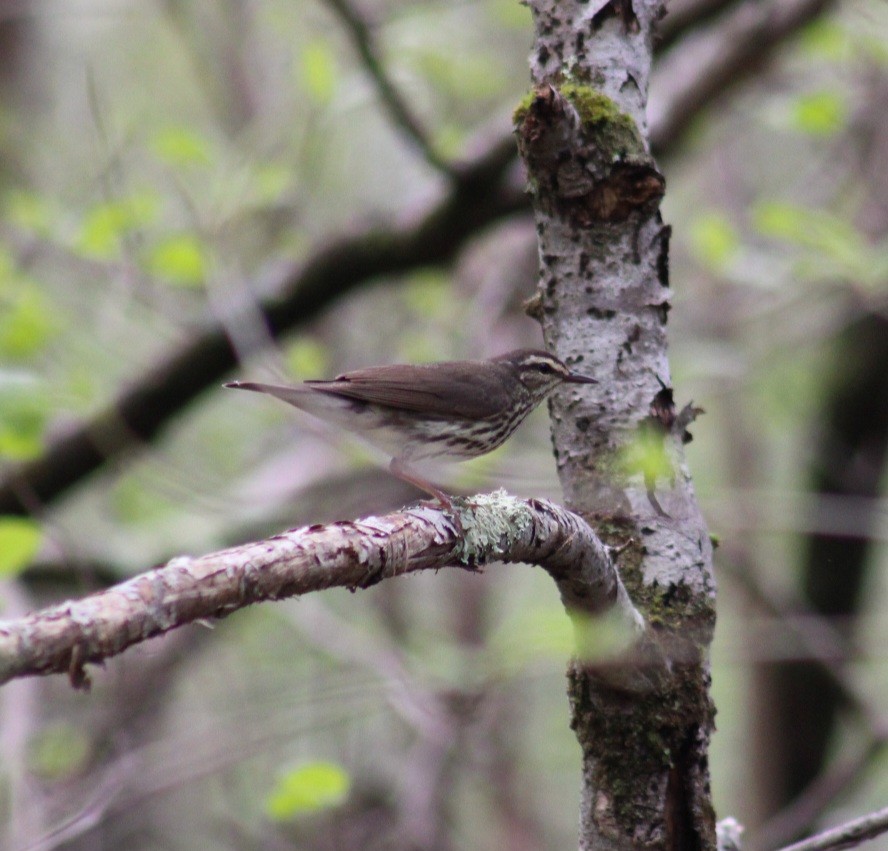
<point>181,146</point>
<point>779,220</point>
<point>835,248</point>
<point>539,631</point>
<point>271,181</point>
<point>58,751</point>
<point>307,358</point>
<point>309,788</point>
<point>714,240</point>
<point>646,453</point>
<point>428,293</point>
<point>819,113</point>
<point>825,39</point>
<point>824,233</point>
<point>602,637</point>
<point>23,412</point>
<point>542,632</point>
<point>18,445</point>
<point>134,503</point>
<point>26,324</point>
<point>107,223</point>
<point>101,230</point>
<point>27,210</point>
<point>19,542</point>
<point>449,139</point>
<point>318,71</point>
<point>180,260</point>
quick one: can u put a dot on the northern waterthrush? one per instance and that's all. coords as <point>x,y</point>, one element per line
<point>452,409</point>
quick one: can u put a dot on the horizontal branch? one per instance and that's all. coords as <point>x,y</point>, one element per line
<point>848,835</point>
<point>354,554</point>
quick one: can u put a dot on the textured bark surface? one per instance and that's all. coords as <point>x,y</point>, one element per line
<point>603,303</point>
<point>495,527</point>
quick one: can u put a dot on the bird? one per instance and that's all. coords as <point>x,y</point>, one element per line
<point>449,409</point>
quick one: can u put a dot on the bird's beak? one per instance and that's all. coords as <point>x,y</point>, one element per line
<point>576,378</point>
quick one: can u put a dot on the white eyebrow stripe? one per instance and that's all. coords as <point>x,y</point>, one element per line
<point>553,365</point>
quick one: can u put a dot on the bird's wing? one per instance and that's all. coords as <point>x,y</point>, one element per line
<point>440,389</point>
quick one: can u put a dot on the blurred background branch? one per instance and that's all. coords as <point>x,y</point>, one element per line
<point>183,185</point>
<point>484,193</point>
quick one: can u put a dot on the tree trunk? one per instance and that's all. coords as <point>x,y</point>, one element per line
<point>603,299</point>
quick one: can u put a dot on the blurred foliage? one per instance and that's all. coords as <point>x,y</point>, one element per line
<point>820,113</point>
<point>19,542</point>
<point>106,224</point>
<point>58,752</point>
<point>26,324</point>
<point>647,455</point>
<point>307,789</point>
<point>307,358</point>
<point>29,211</point>
<point>182,147</point>
<point>834,248</point>
<point>714,240</point>
<point>180,260</point>
<point>27,320</point>
<point>172,160</point>
<point>24,411</point>
<point>318,74</point>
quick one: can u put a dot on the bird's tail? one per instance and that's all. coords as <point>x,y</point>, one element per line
<point>293,395</point>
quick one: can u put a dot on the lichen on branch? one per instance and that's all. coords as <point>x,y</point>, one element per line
<point>350,554</point>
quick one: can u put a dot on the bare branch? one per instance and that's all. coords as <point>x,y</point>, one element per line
<point>820,641</point>
<point>838,778</point>
<point>418,706</point>
<point>479,197</point>
<point>399,110</point>
<point>730,52</point>
<point>685,15</point>
<point>352,555</point>
<point>848,835</point>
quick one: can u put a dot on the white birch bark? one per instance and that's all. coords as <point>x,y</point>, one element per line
<point>603,302</point>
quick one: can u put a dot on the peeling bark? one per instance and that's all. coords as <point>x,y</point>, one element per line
<point>353,554</point>
<point>603,302</point>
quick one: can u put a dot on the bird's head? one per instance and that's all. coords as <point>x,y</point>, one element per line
<point>541,372</point>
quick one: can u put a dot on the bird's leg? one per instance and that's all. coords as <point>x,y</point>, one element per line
<point>401,471</point>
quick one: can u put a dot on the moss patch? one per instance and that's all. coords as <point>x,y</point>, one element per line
<point>523,108</point>
<point>611,129</point>
<point>642,736</point>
